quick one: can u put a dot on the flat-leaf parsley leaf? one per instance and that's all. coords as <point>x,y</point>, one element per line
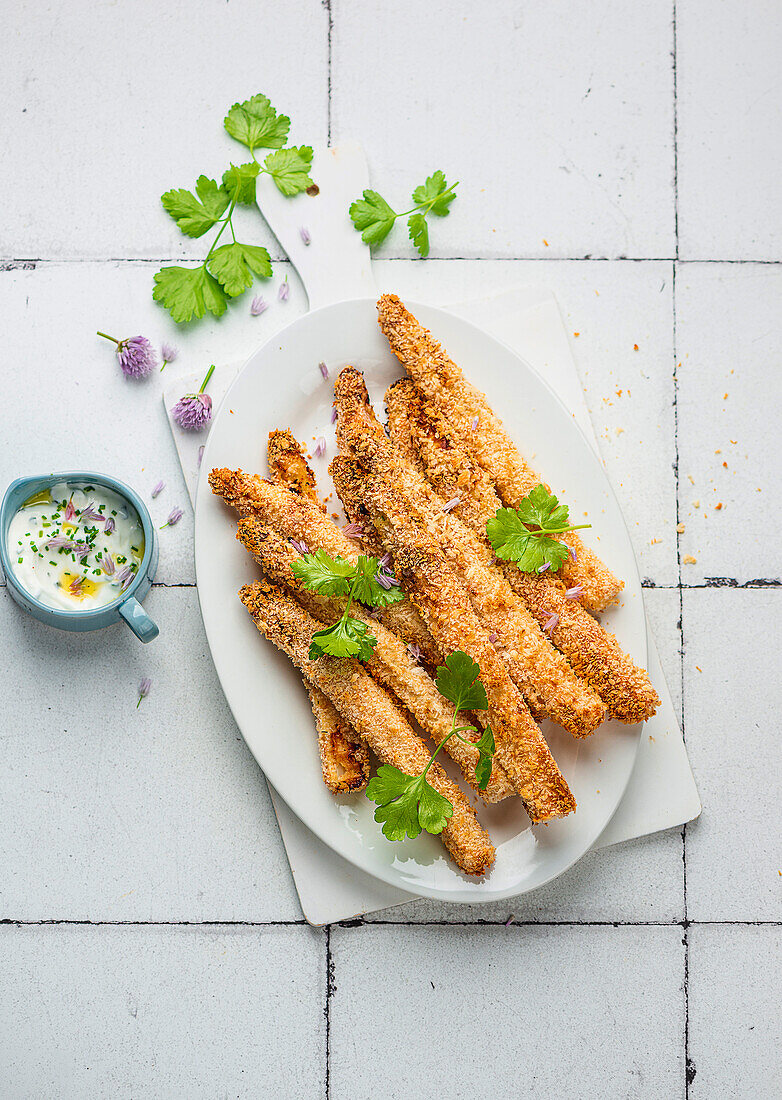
<point>374,218</point>
<point>527,534</point>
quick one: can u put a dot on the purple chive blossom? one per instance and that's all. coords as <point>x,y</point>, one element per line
<point>200,453</point>
<point>451,504</point>
<point>384,581</point>
<point>384,561</point>
<point>474,424</point>
<point>70,511</point>
<point>551,623</point>
<point>174,516</point>
<point>143,690</point>
<point>304,233</point>
<point>300,546</point>
<point>194,411</point>
<point>510,920</point>
<point>258,306</point>
<point>56,543</point>
<point>574,592</point>
<point>572,552</point>
<point>75,585</point>
<point>158,489</point>
<point>91,515</point>
<point>353,530</point>
<point>493,636</point>
<point>136,355</point>
<point>542,568</point>
<point>110,525</point>
<point>324,370</point>
<point>125,577</point>
<point>414,651</point>
<point>334,415</point>
<point>169,353</point>
<point>320,447</point>
<point>80,549</point>
<point>107,565</point>
<point>284,290</point>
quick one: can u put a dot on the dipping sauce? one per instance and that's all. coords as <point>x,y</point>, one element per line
<point>76,546</point>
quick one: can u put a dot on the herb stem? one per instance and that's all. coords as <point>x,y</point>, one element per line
<point>209,374</point>
<point>106,337</point>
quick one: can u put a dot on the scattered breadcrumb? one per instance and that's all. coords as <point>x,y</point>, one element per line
<point>696,504</point>
<point>619,431</point>
<point>717,507</point>
<point>718,451</point>
<point>725,465</point>
<point>699,668</point>
<point>689,559</point>
<point>635,347</point>
<point>545,241</point>
<point>576,333</point>
<point>680,528</point>
<point>692,479</point>
<point>653,542</point>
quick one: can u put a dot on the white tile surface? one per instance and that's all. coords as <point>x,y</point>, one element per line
<point>526,1012</point>
<point>729,342</point>
<point>735,1036</point>
<point>112,812</point>
<point>729,123</point>
<point>734,854</point>
<point>162,1012</point>
<point>108,106</point>
<point>557,119</point>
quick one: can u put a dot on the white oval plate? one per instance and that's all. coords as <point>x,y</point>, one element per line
<point>281,386</point>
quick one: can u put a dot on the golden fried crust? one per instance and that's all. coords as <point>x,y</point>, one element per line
<point>443,383</point>
<point>345,764</point>
<point>593,653</point>
<point>296,518</point>
<point>442,600</point>
<point>391,665</point>
<point>290,468</point>
<point>548,682</point>
<point>370,710</point>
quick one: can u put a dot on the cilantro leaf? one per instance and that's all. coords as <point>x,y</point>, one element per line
<point>189,292</point>
<point>289,168</point>
<point>368,590</point>
<point>347,638</point>
<point>257,125</point>
<point>458,681</point>
<point>513,541</point>
<point>436,194</point>
<point>486,749</point>
<point>407,804</point>
<point>195,217</point>
<point>323,574</point>
<point>239,181</point>
<point>540,508</point>
<point>373,217</point>
<point>419,233</point>
<point>233,266</point>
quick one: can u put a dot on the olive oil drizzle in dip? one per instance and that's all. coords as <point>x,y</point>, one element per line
<point>76,547</point>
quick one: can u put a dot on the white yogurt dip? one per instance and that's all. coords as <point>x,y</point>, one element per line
<point>76,546</point>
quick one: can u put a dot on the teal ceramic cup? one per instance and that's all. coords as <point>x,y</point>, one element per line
<point>127,607</point>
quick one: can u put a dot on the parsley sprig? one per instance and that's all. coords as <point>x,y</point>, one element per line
<point>228,270</point>
<point>406,804</point>
<point>526,534</point>
<point>374,218</point>
<point>337,577</point>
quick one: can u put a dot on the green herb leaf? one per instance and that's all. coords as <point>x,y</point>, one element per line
<point>347,638</point>
<point>540,508</point>
<point>257,125</point>
<point>436,194</point>
<point>367,589</point>
<point>234,264</point>
<point>195,217</point>
<point>323,574</point>
<point>289,168</point>
<point>513,541</point>
<point>239,181</point>
<point>419,233</point>
<point>458,681</point>
<point>486,749</point>
<point>407,804</point>
<point>373,217</point>
<point>189,292</point>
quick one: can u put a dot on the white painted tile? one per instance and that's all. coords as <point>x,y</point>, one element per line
<point>105,109</point>
<point>730,388</point>
<point>663,613</point>
<point>613,307</point>
<point>735,1036</point>
<point>729,114</point>
<point>732,671</point>
<point>488,1012</point>
<point>113,812</point>
<point>557,119</point>
<point>162,1012</point>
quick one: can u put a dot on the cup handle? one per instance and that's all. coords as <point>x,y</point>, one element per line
<point>138,620</point>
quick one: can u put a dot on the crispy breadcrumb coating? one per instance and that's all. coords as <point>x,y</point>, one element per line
<point>345,764</point>
<point>592,651</point>
<point>370,710</point>
<point>442,382</point>
<point>392,665</point>
<point>542,673</point>
<point>290,468</point>
<point>443,601</point>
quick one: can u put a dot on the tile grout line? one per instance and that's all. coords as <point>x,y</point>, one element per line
<point>330,25</point>
<point>28,263</point>
<point>327,1009</point>
<point>359,922</point>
